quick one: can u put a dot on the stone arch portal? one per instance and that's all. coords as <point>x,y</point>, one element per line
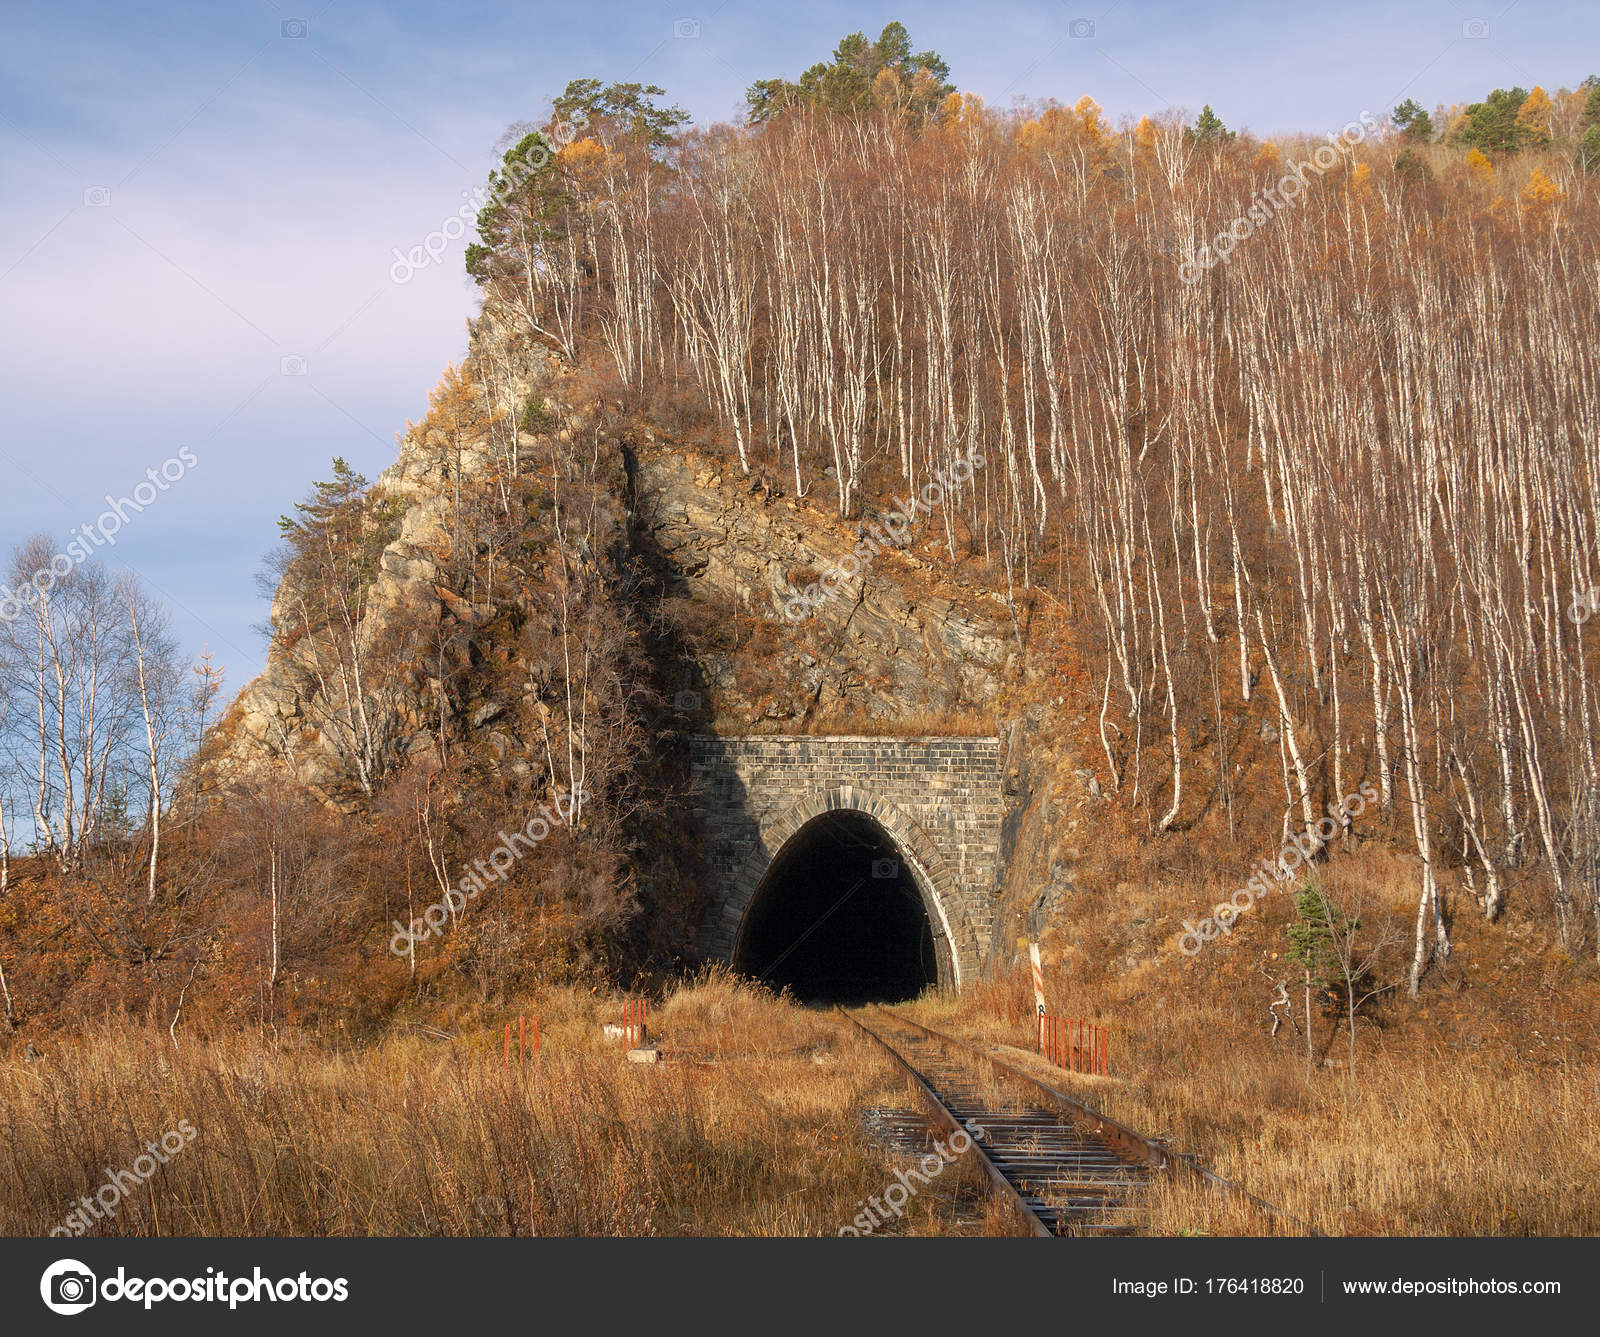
<point>845,900</point>
<point>933,802</point>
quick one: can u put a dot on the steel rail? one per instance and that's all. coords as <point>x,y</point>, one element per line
<point>1150,1151</point>
<point>945,1117</point>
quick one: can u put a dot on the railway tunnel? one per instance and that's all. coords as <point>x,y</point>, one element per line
<point>838,917</point>
<point>795,826</point>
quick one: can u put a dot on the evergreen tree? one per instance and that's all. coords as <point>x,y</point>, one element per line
<point>1314,945</point>
<point>1589,149</point>
<point>1492,124</point>
<point>1410,168</point>
<point>626,109</point>
<point>527,192</point>
<point>1209,129</point>
<point>1312,940</point>
<point>1413,121</point>
<point>860,74</point>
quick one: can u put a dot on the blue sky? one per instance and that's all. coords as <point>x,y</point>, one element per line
<point>202,203</point>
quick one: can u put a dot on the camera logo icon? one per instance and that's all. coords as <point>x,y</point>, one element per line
<point>68,1287</point>
<point>686,701</point>
<point>686,29</point>
<point>293,28</point>
<point>885,868</point>
<point>293,365</point>
<point>1081,28</point>
<point>1475,28</point>
<point>97,197</point>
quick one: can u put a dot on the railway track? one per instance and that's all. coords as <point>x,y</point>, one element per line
<point>1062,1167</point>
<point>1059,1175</point>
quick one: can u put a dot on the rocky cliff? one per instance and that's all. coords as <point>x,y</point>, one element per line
<point>897,641</point>
<point>700,567</point>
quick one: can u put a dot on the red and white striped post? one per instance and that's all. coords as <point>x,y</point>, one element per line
<point>1038,990</point>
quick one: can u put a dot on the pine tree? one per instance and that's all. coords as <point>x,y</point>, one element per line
<point>1493,126</point>
<point>1209,129</point>
<point>1313,944</point>
<point>861,75</point>
<point>1589,149</point>
<point>1413,121</point>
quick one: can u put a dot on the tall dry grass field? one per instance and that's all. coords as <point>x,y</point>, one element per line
<point>1458,1118</point>
<point>751,1126</point>
<point>1468,1112</point>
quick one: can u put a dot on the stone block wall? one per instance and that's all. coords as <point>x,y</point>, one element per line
<point>939,799</point>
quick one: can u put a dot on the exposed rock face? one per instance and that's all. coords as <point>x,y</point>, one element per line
<point>874,648</point>
<point>412,629</point>
<point>443,667</point>
<point>287,715</point>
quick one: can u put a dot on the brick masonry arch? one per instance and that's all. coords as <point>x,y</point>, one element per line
<point>928,870</point>
<point>937,799</point>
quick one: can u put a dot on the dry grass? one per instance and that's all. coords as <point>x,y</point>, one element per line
<point>1462,1117</point>
<point>751,1126</point>
<point>1469,1112</point>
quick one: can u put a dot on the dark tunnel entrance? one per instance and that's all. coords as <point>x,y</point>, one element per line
<point>838,918</point>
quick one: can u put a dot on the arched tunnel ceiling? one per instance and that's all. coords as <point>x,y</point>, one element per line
<point>839,917</point>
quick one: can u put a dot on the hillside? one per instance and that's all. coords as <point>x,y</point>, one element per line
<point>1269,559</point>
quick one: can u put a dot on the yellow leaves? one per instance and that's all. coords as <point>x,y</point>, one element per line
<point>1480,166</point>
<point>1268,157</point>
<point>1360,178</point>
<point>959,108</point>
<point>1090,124</point>
<point>1541,194</point>
<point>1144,135</point>
<point>1034,135</point>
<point>923,90</point>
<point>584,156</point>
<point>455,403</point>
<point>1534,117</point>
<point>1058,129</point>
<point>886,88</point>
